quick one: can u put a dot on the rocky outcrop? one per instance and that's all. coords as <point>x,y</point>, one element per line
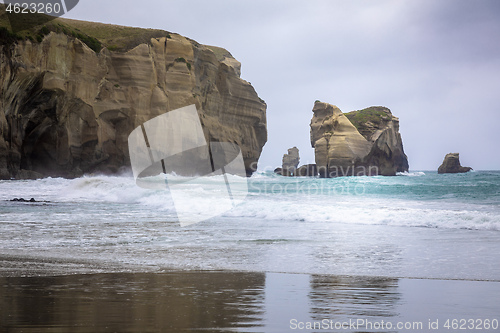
<point>67,110</point>
<point>308,170</point>
<point>364,142</point>
<point>451,164</point>
<point>290,162</point>
<point>23,200</point>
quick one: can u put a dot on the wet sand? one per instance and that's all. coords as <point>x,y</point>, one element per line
<point>221,301</point>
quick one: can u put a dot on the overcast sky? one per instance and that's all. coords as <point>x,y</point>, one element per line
<point>434,63</point>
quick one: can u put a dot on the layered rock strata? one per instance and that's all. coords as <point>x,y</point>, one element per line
<point>67,110</point>
<point>358,143</point>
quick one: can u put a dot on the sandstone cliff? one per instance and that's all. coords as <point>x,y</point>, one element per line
<point>67,109</point>
<point>451,164</point>
<point>364,142</point>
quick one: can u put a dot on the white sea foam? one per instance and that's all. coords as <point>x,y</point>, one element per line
<point>411,174</point>
<point>369,211</point>
<point>424,226</point>
<point>269,201</point>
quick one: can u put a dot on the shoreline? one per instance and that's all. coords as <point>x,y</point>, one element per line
<point>15,266</point>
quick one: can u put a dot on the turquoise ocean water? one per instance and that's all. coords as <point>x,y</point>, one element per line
<point>418,224</point>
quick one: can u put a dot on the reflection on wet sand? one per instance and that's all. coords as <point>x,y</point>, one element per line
<point>353,297</point>
<point>132,302</point>
<point>232,302</point>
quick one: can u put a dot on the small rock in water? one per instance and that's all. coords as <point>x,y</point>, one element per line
<point>23,200</point>
<point>451,164</point>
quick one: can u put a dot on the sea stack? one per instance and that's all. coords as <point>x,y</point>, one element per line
<point>451,164</point>
<point>359,143</point>
<point>290,162</point>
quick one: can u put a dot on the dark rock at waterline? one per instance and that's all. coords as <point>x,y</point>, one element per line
<point>32,200</point>
<point>23,200</point>
<point>27,175</point>
<point>308,170</point>
<point>451,164</point>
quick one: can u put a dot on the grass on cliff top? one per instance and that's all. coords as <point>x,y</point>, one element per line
<point>374,114</point>
<point>95,35</point>
<point>114,37</point>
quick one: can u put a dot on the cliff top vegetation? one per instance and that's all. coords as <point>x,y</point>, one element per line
<point>95,35</point>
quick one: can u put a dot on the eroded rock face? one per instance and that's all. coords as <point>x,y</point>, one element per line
<point>66,110</point>
<point>365,142</point>
<point>451,164</point>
